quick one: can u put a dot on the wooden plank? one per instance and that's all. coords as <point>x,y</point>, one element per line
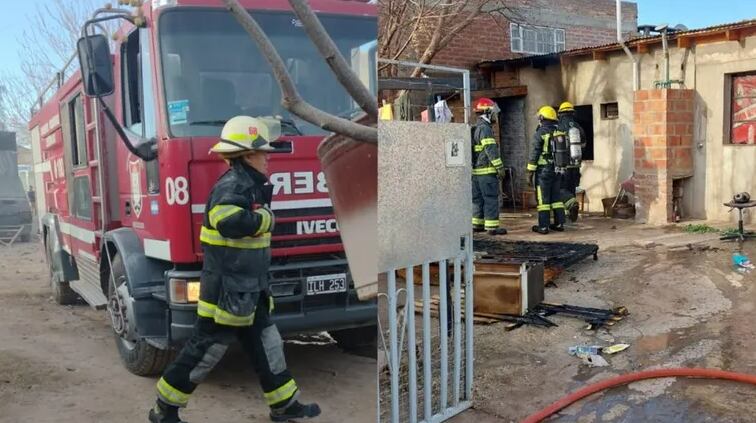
<point>642,48</point>
<point>417,271</point>
<point>683,42</point>
<point>517,91</point>
<point>476,318</point>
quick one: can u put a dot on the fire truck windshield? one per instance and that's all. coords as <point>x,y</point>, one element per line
<point>212,69</point>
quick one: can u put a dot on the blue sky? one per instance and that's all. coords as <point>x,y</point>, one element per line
<point>692,13</point>
<point>12,23</point>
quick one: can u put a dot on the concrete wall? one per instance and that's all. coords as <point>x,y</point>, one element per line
<point>728,168</point>
<point>720,170</point>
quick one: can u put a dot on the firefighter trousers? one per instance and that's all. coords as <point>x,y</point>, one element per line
<point>262,343</point>
<point>569,183</point>
<point>485,197</point>
<point>548,184</point>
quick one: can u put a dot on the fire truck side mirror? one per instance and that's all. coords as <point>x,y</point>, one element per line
<point>96,65</point>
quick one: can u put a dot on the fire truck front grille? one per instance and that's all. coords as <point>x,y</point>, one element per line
<point>317,211</point>
<point>305,242</point>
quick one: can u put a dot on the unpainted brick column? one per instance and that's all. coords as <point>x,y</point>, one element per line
<point>663,134</point>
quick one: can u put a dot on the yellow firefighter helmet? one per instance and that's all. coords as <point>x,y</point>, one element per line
<point>547,112</point>
<point>245,133</point>
<point>566,107</point>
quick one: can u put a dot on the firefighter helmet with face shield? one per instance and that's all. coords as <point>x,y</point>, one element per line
<point>247,134</point>
<point>486,107</point>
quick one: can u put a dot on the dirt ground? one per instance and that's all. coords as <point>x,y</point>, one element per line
<point>688,308</point>
<point>60,364</point>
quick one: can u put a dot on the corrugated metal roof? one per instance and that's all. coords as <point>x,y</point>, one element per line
<point>616,46</point>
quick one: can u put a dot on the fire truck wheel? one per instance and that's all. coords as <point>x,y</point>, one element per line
<point>362,341</point>
<point>139,357</point>
<point>62,293</point>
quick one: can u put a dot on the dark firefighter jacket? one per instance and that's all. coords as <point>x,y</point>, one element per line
<point>541,155</point>
<point>235,238</point>
<point>486,158</point>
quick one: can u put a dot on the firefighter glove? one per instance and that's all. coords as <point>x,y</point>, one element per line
<point>531,178</point>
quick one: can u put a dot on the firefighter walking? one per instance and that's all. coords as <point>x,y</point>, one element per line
<point>571,177</point>
<point>546,166</point>
<point>487,167</point>
<point>235,302</point>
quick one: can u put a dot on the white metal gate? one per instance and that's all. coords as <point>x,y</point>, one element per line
<point>429,371</point>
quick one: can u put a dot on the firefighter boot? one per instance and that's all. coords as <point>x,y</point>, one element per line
<point>295,410</point>
<point>497,231</point>
<point>164,413</point>
<point>574,209</point>
<point>543,222</point>
<point>559,217</point>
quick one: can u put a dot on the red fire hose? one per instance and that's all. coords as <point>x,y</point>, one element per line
<point>634,377</point>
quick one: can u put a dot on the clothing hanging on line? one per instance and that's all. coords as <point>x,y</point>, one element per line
<point>402,107</point>
<point>386,112</point>
<point>442,112</point>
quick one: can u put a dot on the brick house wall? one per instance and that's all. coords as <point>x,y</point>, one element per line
<point>586,23</point>
<point>663,130</point>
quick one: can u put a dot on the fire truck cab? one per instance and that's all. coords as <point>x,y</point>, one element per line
<point>120,218</point>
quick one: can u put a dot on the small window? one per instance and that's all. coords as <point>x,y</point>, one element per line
<point>742,119</point>
<point>609,111</point>
<point>138,92</point>
<point>536,40</point>
<point>139,96</point>
<point>514,33</point>
<point>132,107</point>
<point>77,130</point>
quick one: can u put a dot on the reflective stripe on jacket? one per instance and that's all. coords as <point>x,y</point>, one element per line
<point>235,238</point>
<point>486,158</point>
<point>541,154</point>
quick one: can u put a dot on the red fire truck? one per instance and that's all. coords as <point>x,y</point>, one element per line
<point>123,168</point>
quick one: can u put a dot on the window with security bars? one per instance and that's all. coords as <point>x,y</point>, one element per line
<point>536,39</point>
<point>742,126</point>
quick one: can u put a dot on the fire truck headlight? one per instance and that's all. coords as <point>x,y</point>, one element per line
<point>183,291</point>
<point>193,291</point>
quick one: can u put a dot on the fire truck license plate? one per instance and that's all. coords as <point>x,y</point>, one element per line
<point>326,284</point>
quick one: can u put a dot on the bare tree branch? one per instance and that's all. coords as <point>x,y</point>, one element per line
<point>426,25</point>
<point>334,58</point>
<point>291,99</point>
<point>43,49</point>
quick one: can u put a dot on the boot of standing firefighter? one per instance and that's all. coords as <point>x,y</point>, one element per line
<point>542,173</point>
<point>234,301</point>
<point>487,167</point>
<point>577,142</point>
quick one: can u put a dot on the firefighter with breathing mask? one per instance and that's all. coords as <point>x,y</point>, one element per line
<point>577,140</point>
<point>487,168</point>
<point>546,166</point>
